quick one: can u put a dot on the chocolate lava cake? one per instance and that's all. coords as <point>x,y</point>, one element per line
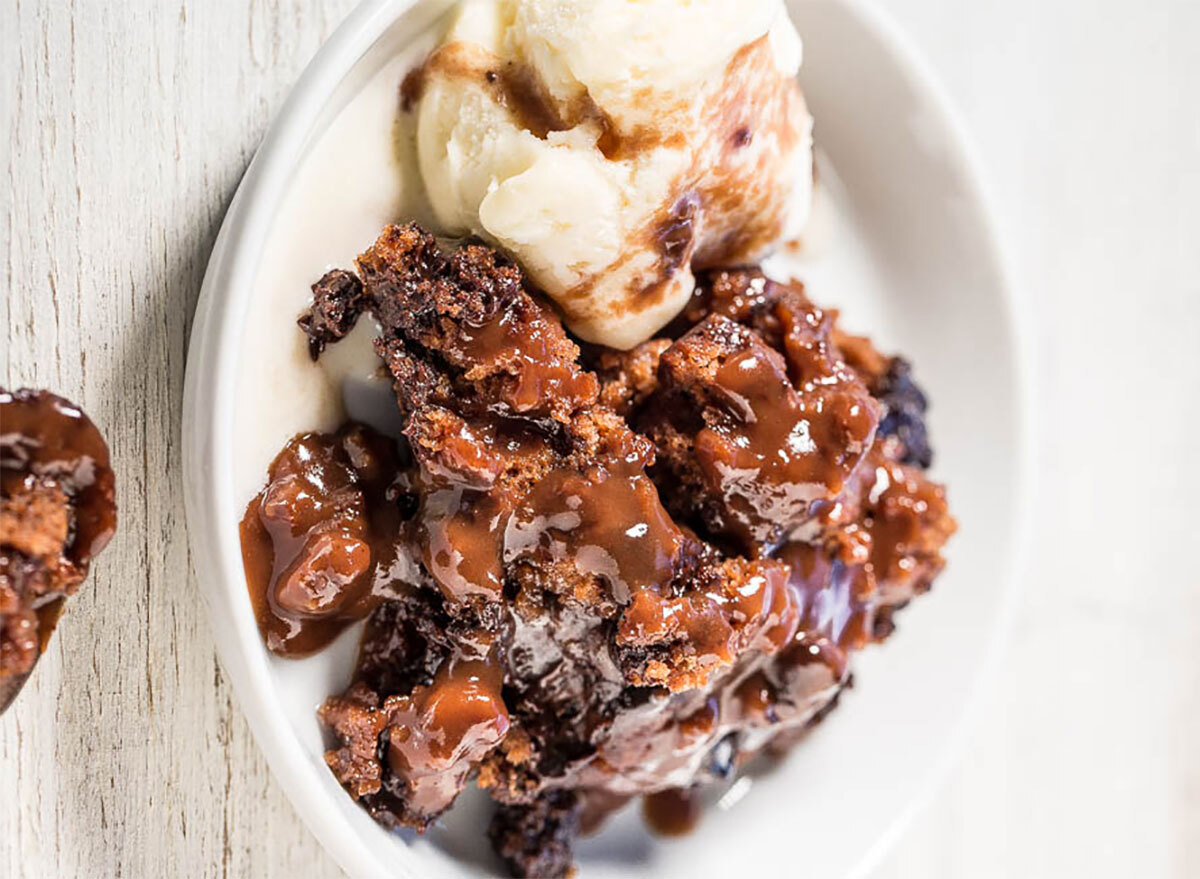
<point>588,575</point>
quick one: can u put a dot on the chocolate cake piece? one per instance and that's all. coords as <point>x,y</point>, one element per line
<point>747,296</point>
<point>628,378</point>
<point>337,303</point>
<point>550,623</point>
<point>318,542</point>
<point>755,440</point>
<point>891,523</point>
<point>536,521</point>
<point>889,520</point>
<point>892,383</point>
<point>57,511</point>
<point>543,536</point>
<point>464,323</point>
<point>538,840</point>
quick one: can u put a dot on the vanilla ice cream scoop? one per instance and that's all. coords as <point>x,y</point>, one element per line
<point>612,145</point>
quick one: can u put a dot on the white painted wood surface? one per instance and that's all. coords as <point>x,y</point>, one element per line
<point>127,126</point>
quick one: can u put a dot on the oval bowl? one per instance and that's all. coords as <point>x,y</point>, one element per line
<point>904,246</point>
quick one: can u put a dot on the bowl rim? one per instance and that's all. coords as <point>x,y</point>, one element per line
<point>963,151</point>
<point>207,428</point>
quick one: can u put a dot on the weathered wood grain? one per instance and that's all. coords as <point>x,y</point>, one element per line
<point>126,127</point>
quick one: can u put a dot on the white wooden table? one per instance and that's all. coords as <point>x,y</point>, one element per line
<point>127,128</point>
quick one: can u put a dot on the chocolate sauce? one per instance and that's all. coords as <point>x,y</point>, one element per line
<point>606,522</point>
<point>522,347</point>
<point>464,541</point>
<point>751,126</point>
<point>763,456</point>
<point>412,87</point>
<point>836,600</point>
<point>737,294</point>
<point>771,453</point>
<point>756,416</point>
<point>437,734</point>
<point>672,812</point>
<point>522,92</point>
<point>492,338</point>
<point>319,541</point>
<point>907,520</point>
<point>676,233</point>
<point>716,620</point>
<point>516,87</point>
<point>45,436</point>
<point>458,531</point>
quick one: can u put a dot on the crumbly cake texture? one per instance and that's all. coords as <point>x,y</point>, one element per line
<point>615,573</point>
<point>57,510</point>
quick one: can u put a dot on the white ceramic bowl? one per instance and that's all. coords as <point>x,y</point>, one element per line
<point>909,256</point>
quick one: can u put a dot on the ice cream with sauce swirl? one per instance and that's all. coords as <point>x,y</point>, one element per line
<point>612,146</point>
